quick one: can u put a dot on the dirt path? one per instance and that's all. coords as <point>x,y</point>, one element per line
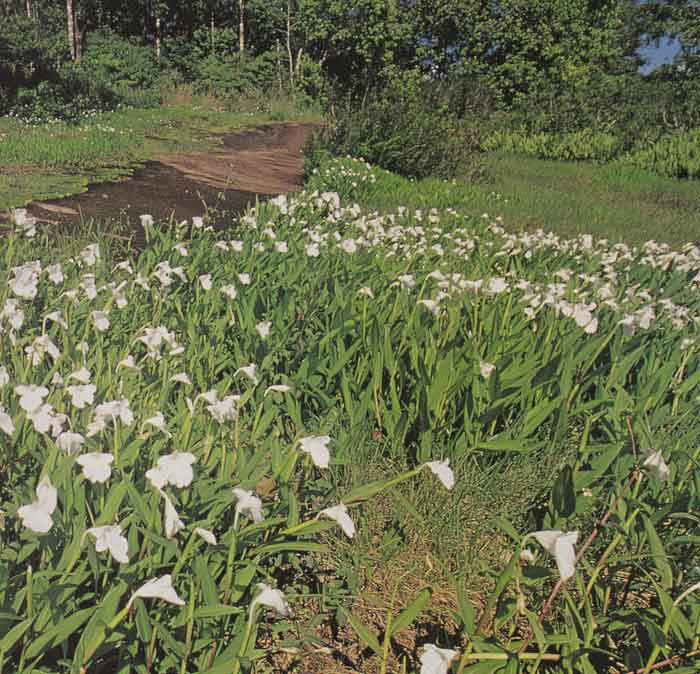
<point>261,161</point>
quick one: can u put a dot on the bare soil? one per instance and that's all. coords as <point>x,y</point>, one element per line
<point>254,163</point>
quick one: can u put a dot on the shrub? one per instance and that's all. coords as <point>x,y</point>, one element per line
<point>676,155</point>
<point>405,127</point>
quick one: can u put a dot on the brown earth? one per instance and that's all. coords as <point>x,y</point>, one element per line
<point>252,163</point>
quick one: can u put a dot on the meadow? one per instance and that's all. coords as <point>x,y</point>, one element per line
<point>463,448</point>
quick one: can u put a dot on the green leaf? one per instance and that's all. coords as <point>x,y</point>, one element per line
<point>563,494</point>
<point>411,612</point>
<point>364,632</point>
<point>658,553</point>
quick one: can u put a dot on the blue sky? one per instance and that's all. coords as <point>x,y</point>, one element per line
<point>657,56</point>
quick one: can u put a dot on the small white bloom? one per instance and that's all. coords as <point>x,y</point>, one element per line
<point>486,369</point>
<point>173,523</point>
<point>249,371</point>
<point>205,535</point>
<point>174,469</point>
<point>158,588</point>
<point>110,538</point>
<point>272,598</point>
<point>158,420</point>
<point>278,388</point>
<point>230,291</point>
<point>244,279</point>
<point>70,442</point>
<point>340,514</point>
<point>248,504</point>
<point>6,424</point>
<point>225,409</point>
<point>561,545</point>
<point>317,447</point>
<point>205,281</point>
<point>656,465</point>
<point>443,472</point>
<point>82,376</point>
<point>263,329</point>
<point>129,363</point>
<point>97,466</point>
<point>82,395</point>
<point>100,320</point>
<point>4,376</point>
<point>436,660</point>
<point>37,515</point>
<point>31,397</point>
<point>181,378</point>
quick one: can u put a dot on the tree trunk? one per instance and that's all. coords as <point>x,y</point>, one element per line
<point>290,56</point>
<point>158,38</point>
<point>241,26</point>
<point>29,8</point>
<point>211,31</point>
<point>70,17</point>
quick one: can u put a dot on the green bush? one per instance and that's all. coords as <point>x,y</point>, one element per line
<point>574,146</point>
<point>408,128</point>
<point>232,74</point>
<point>676,155</point>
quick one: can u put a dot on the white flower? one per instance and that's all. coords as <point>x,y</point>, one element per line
<point>312,250</point>
<point>6,424</point>
<point>230,291</point>
<point>486,369</point>
<point>181,249</point>
<point>339,513</point>
<point>443,472</point>
<point>433,306</point>
<point>158,588</point>
<point>249,371</point>
<point>181,378</point>
<point>31,397</point>
<point>100,320</point>
<point>656,465</point>
<point>39,348</point>
<point>281,247</point>
<point>561,545</point>
<point>244,279</point>
<point>263,329</point>
<point>90,254</point>
<point>224,410</point>
<point>366,291</point>
<point>55,273</point>
<point>317,447</point>
<point>205,281</point>
<point>174,469</point>
<point>197,221</point>
<point>110,538</point>
<point>173,523</point>
<point>110,411</point>
<point>4,376</point>
<point>45,418</point>
<point>37,515</point>
<point>55,317</point>
<point>272,598</point>
<point>436,660</point>
<point>248,504</point>
<point>82,395</point>
<point>526,555</point>
<point>97,466</point>
<point>82,375</point>
<point>146,221</point>
<point>205,535</point>
<point>158,420</point>
<point>129,363</point>
<point>277,388</point>
<point>69,442</point>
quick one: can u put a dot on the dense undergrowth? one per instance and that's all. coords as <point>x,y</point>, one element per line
<point>140,388</point>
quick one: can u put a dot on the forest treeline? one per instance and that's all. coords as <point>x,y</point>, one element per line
<point>550,77</point>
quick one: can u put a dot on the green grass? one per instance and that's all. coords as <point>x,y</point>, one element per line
<point>55,160</point>
<point>614,202</point>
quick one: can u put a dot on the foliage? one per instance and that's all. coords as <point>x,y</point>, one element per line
<point>675,155</point>
<point>405,127</point>
<point>578,145</point>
